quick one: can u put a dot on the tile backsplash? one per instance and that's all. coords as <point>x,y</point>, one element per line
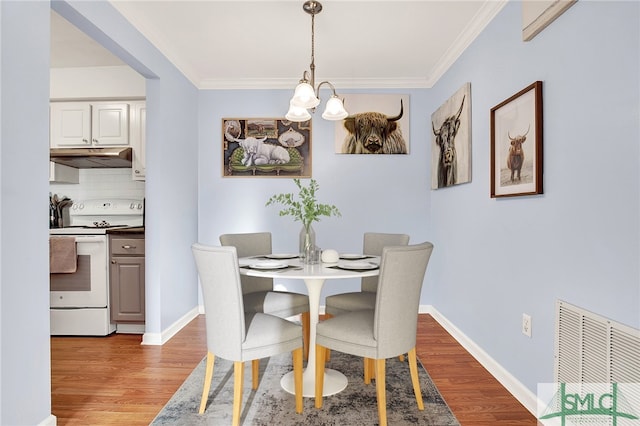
<point>101,183</point>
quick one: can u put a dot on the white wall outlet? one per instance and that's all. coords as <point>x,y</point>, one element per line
<point>526,325</point>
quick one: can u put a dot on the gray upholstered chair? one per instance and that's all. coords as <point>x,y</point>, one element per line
<point>386,331</point>
<point>235,335</point>
<point>373,243</point>
<point>259,295</point>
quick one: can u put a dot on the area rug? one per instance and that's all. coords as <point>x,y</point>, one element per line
<point>271,405</point>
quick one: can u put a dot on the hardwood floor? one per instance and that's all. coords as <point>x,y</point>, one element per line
<point>115,380</point>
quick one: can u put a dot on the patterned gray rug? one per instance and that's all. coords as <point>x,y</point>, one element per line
<point>271,405</point>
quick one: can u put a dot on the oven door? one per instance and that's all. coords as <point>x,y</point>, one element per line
<point>88,286</point>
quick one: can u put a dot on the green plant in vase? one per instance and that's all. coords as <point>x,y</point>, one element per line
<point>305,209</point>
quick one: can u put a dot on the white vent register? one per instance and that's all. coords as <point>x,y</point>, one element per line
<point>593,349</point>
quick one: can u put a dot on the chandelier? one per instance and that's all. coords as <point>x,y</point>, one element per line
<point>305,97</point>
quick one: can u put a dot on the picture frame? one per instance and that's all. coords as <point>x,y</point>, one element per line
<point>516,166</point>
<point>390,112</point>
<point>451,140</point>
<point>266,147</point>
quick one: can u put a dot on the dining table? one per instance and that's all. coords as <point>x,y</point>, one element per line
<point>314,275</point>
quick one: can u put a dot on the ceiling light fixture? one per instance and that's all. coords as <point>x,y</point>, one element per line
<point>305,98</point>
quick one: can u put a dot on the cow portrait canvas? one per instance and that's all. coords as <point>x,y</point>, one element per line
<point>377,124</point>
<point>451,140</point>
<point>516,144</point>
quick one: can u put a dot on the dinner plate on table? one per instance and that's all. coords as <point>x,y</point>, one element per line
<point>357,265</point>
<point>281,256</point>
<point>268,265</point>
<point>353,256</point>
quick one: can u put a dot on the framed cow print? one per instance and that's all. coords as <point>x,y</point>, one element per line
<point>377,124</point>
<point>266,147</point>
<point>451,140</point>
<point>516,144</point>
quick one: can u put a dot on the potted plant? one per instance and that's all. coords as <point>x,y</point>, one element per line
<point>305,209</point>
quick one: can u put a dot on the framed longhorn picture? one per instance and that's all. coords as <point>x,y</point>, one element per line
<point>451,140</point>
<point>516,144</point>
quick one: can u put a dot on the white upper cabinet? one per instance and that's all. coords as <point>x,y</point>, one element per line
<point>89,124</point>
<point>138,123</point>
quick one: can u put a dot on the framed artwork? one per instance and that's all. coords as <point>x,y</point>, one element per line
<point>266,147</point>
<point>451,140</point>
<point>516,144</point>
<point>377,124</point>
<point>538,14</point>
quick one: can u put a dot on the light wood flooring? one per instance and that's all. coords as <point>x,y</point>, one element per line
<point>115,381</point>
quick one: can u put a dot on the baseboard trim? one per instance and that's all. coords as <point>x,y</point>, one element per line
<point>527,398</point>
<point>159,339</point>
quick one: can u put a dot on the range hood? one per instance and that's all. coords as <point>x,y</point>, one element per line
<point>93,158</point>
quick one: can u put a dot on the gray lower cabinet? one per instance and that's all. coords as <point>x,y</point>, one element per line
<point>127,278</point>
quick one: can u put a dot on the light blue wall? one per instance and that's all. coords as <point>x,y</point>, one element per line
<point>171,220</point>
<point>496,259</point>
<point>374,193</point>
<point>24,163</point>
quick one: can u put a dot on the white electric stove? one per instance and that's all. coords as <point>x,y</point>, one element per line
<point>79,301</point>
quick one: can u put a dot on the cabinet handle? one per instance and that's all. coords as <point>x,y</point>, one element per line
<point>128,247</point>
<point>113,262</point>
<point>95,141</point>
<point>85,141</point>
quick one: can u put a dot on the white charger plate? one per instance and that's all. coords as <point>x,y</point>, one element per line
<point>352,256</point>
<point>268,265</point>
<point>358,265</point>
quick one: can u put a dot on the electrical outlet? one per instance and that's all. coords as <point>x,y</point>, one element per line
<point>526,325</point>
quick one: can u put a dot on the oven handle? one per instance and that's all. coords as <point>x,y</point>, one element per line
<point>91,239</point>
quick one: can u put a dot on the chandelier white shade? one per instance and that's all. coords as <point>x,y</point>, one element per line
<point>305,97</point>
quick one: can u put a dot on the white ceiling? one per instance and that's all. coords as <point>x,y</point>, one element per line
<point>267,44</point>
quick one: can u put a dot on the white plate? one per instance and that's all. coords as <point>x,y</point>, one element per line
<point>281,256</point>
<point>268,265</point>
<point>349,256</point>
<point>358,265</point>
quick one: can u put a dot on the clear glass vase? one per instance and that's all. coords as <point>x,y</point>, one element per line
<point>307,243</point>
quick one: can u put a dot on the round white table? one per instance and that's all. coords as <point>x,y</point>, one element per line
<point>314,277</point>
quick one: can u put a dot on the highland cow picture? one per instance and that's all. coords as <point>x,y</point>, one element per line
<point>451,140</point>
<point>516,144</point>
<point>377,124</point>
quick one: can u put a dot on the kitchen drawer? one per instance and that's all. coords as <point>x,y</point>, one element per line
<point>127,246</point>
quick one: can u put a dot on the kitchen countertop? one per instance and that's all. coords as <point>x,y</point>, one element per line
<point>133,230</point>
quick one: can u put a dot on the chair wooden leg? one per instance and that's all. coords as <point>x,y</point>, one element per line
<point>381,392</point>
<point>297,378</point>
<point>413,367</point>
<point>238,378</point>
<point>369,370</point>
<point>208,375</point>
<point>327,357</point>
<point>305,318</point>
<point>401,358</point>
<point>321,353</point>
<point>255,373</point>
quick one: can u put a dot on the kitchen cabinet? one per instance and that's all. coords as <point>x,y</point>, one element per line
<point>126,278</point>
<point>138,121</point>
<point>59,173</point>
<point>89,124</point>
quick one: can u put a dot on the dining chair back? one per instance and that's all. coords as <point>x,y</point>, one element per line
<point>236,335</point>
<point>259,295</point>
<point>373,243</point>
<point>388,330</point>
